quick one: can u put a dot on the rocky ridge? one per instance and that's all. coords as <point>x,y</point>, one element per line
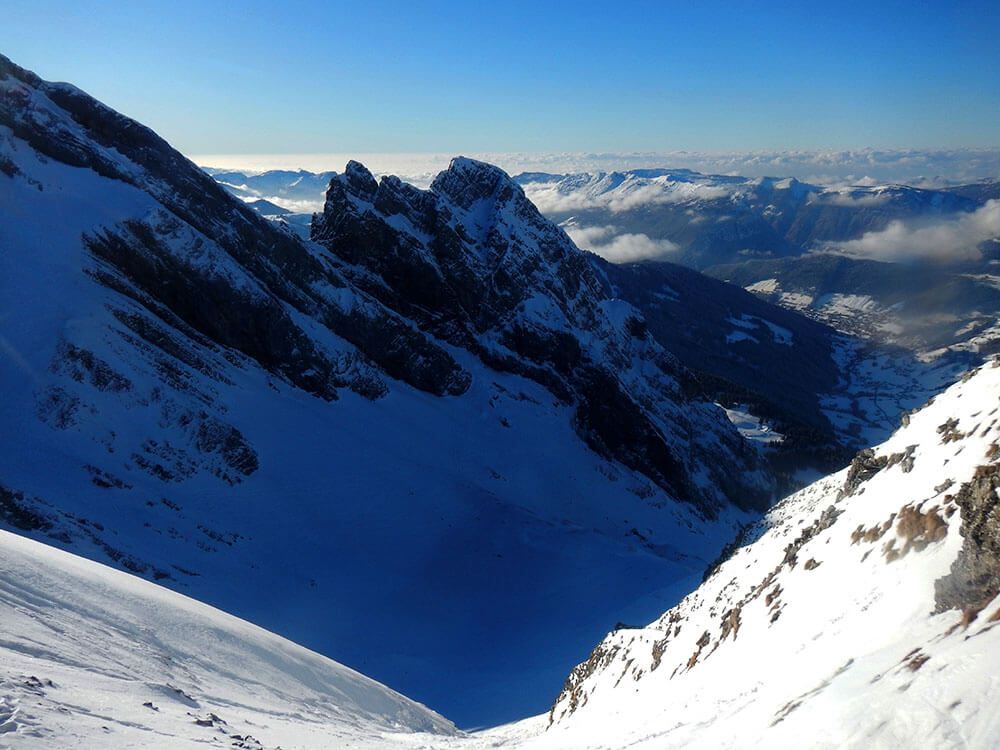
<point>473,261</point>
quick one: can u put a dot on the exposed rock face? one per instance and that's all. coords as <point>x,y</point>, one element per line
<point>18,512</point>
<point>474,263</point>
<point>863,467</point>
<point>974,579</point>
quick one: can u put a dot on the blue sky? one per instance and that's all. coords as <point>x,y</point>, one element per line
<point>298,77</point>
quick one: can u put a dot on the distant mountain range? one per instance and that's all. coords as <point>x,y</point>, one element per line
<point>790,242</point>
<point>293,188</point>
<point>707,219</point>
<point>713,219</point>
<point>764,234</point>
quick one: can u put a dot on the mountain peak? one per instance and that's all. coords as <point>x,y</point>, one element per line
<point>468,166</point>
<point>467,181</point>
<point>359,180</point>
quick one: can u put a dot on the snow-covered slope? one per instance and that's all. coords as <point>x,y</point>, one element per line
<point>94,657</point>
<point>860,612</point>
<point>197,396</point>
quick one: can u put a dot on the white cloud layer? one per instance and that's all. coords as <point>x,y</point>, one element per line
<point>630,196</point>
<point>925,167</point>
<point>295,206</point>
<point>956,237</point>
<point>845,198</point>
<point>610,244</point>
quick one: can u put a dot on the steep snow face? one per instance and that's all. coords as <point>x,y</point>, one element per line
<point>860,612</point>
<point>198,397</point>
<point>93,657</point>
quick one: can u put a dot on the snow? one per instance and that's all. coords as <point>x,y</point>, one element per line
<point>737,336</point>
<point>84,647</point>
<point>846,304</point>
<point>842,663</point>
<point>952,333</point>
<point>751,427</point>
<point>796,300</point>
<point>484,576</point>
<point>779,334</point>
<point>855,658</point>
<point>764,286</point>
<point>620,192</point>
<point>876,385</point>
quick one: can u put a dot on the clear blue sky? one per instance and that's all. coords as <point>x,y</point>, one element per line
<point>311,76</point>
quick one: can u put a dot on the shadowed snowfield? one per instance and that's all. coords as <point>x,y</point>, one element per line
<point>818,633</point>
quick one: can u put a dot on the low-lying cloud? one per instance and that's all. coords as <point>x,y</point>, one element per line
<point>295,206</point>
<point>852,200</point>
<point>631,196</point>
<point>956,237</point>
<point>925,167</point>
<point>620,247</point>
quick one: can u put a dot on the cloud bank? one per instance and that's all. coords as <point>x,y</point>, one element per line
<point>626,197</point>
<point>610,244</point>
<point>922,167</point>
<point>850,200</point>
<point>953,238</point>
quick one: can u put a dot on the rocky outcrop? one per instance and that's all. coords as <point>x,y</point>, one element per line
<point>974,580</point>
<point>409,273</point>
